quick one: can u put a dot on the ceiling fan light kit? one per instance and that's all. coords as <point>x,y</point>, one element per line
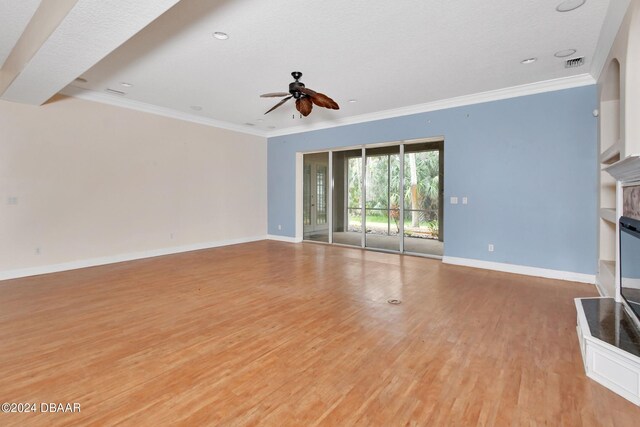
<point>305,98</point>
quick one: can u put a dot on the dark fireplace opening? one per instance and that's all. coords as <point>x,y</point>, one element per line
<point>630,263</point>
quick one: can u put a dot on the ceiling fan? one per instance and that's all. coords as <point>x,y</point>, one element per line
<point>305,98</point>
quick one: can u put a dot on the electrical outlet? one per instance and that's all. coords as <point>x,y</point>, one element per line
<point>38,251</point>
<point>171,236</point>
<point>490,247</point>
<point>454,200</point>
<point>464,200</point>
<point>279,226</point>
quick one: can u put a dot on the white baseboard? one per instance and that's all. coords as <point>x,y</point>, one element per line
<point>284,238</point>
<point>601,289</point>
<point>92,262</point>
<point>522,269</point>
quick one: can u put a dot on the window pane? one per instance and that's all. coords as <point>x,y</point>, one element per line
<point>315,191</point>
<point>307,195</point>
<point>382,198</point>
<point>321,185</point>
<point>422,201</point>
<point>347,192</point>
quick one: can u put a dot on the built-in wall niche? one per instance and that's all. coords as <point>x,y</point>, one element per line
<point>611,150</point>
<point>610,110</point>
<point>607,191</point>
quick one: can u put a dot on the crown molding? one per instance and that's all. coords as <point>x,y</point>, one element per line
<point>119,101</point>
<point>460,101</point>
<point>478,98</point>
<point>610,27</point>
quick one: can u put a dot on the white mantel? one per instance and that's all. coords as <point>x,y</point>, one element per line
<point>626,170</point>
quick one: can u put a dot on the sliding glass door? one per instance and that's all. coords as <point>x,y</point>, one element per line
<point>387,198</point>
<point>315,197</point>
<point>347,197</point>
<point>382,195</point>
<point>423,198</point>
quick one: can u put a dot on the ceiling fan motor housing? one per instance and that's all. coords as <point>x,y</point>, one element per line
<point>294,89</point>
<point>305,98</point>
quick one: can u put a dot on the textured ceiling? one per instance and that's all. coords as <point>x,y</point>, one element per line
<point>14,17</point>
<point>90,30</point>
<point>385,54</point>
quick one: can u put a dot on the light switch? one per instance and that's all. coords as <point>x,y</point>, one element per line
<point>464,200</point>
<point>454,200</point>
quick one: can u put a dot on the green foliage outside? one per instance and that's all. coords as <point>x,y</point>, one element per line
<point>383,191</point>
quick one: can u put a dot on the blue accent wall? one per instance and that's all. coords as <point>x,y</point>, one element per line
<point>528,166</point>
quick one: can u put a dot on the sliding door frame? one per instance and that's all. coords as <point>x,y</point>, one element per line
<point>401,202</point>
<point>331,188</point>
<point>330,198</point>
<point>363,199</point>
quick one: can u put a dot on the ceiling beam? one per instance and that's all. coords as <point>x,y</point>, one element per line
<point>43,23</point>
<point>14,17</point>
<point>87,33</point>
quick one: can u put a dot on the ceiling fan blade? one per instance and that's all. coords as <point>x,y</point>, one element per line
<point>307,91</point>
<point>274,95</point>
<point>320,99</point>
<point>279,104</point>
<point>304,105</point>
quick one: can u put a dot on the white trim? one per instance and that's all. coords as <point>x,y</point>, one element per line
<point>330,197</point>
<point>626,170</point>
<point>522,269</point>
<point>601,292</point>
<point>363,198</point>
<point>439,138</point>
<point>284,238</point>
<point>613,369</point>
<point>92,262</point>
<point>120,101</point>
<point>402,183</point>
<point>299,220</point>
<point>477,98</point>
<point>619,209</point>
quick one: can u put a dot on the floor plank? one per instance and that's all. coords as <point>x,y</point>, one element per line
<point>271,333</point>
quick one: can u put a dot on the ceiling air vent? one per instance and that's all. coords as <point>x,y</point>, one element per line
<point>574,62</point>
<point>116,92</point>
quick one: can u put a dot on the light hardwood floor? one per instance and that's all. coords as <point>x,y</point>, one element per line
<point>280,334</point>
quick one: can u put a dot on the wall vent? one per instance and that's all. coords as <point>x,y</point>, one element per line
<point>574,62</point>
<point>116,92</point>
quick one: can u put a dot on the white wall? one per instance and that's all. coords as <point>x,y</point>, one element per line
<point>96,183</point>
